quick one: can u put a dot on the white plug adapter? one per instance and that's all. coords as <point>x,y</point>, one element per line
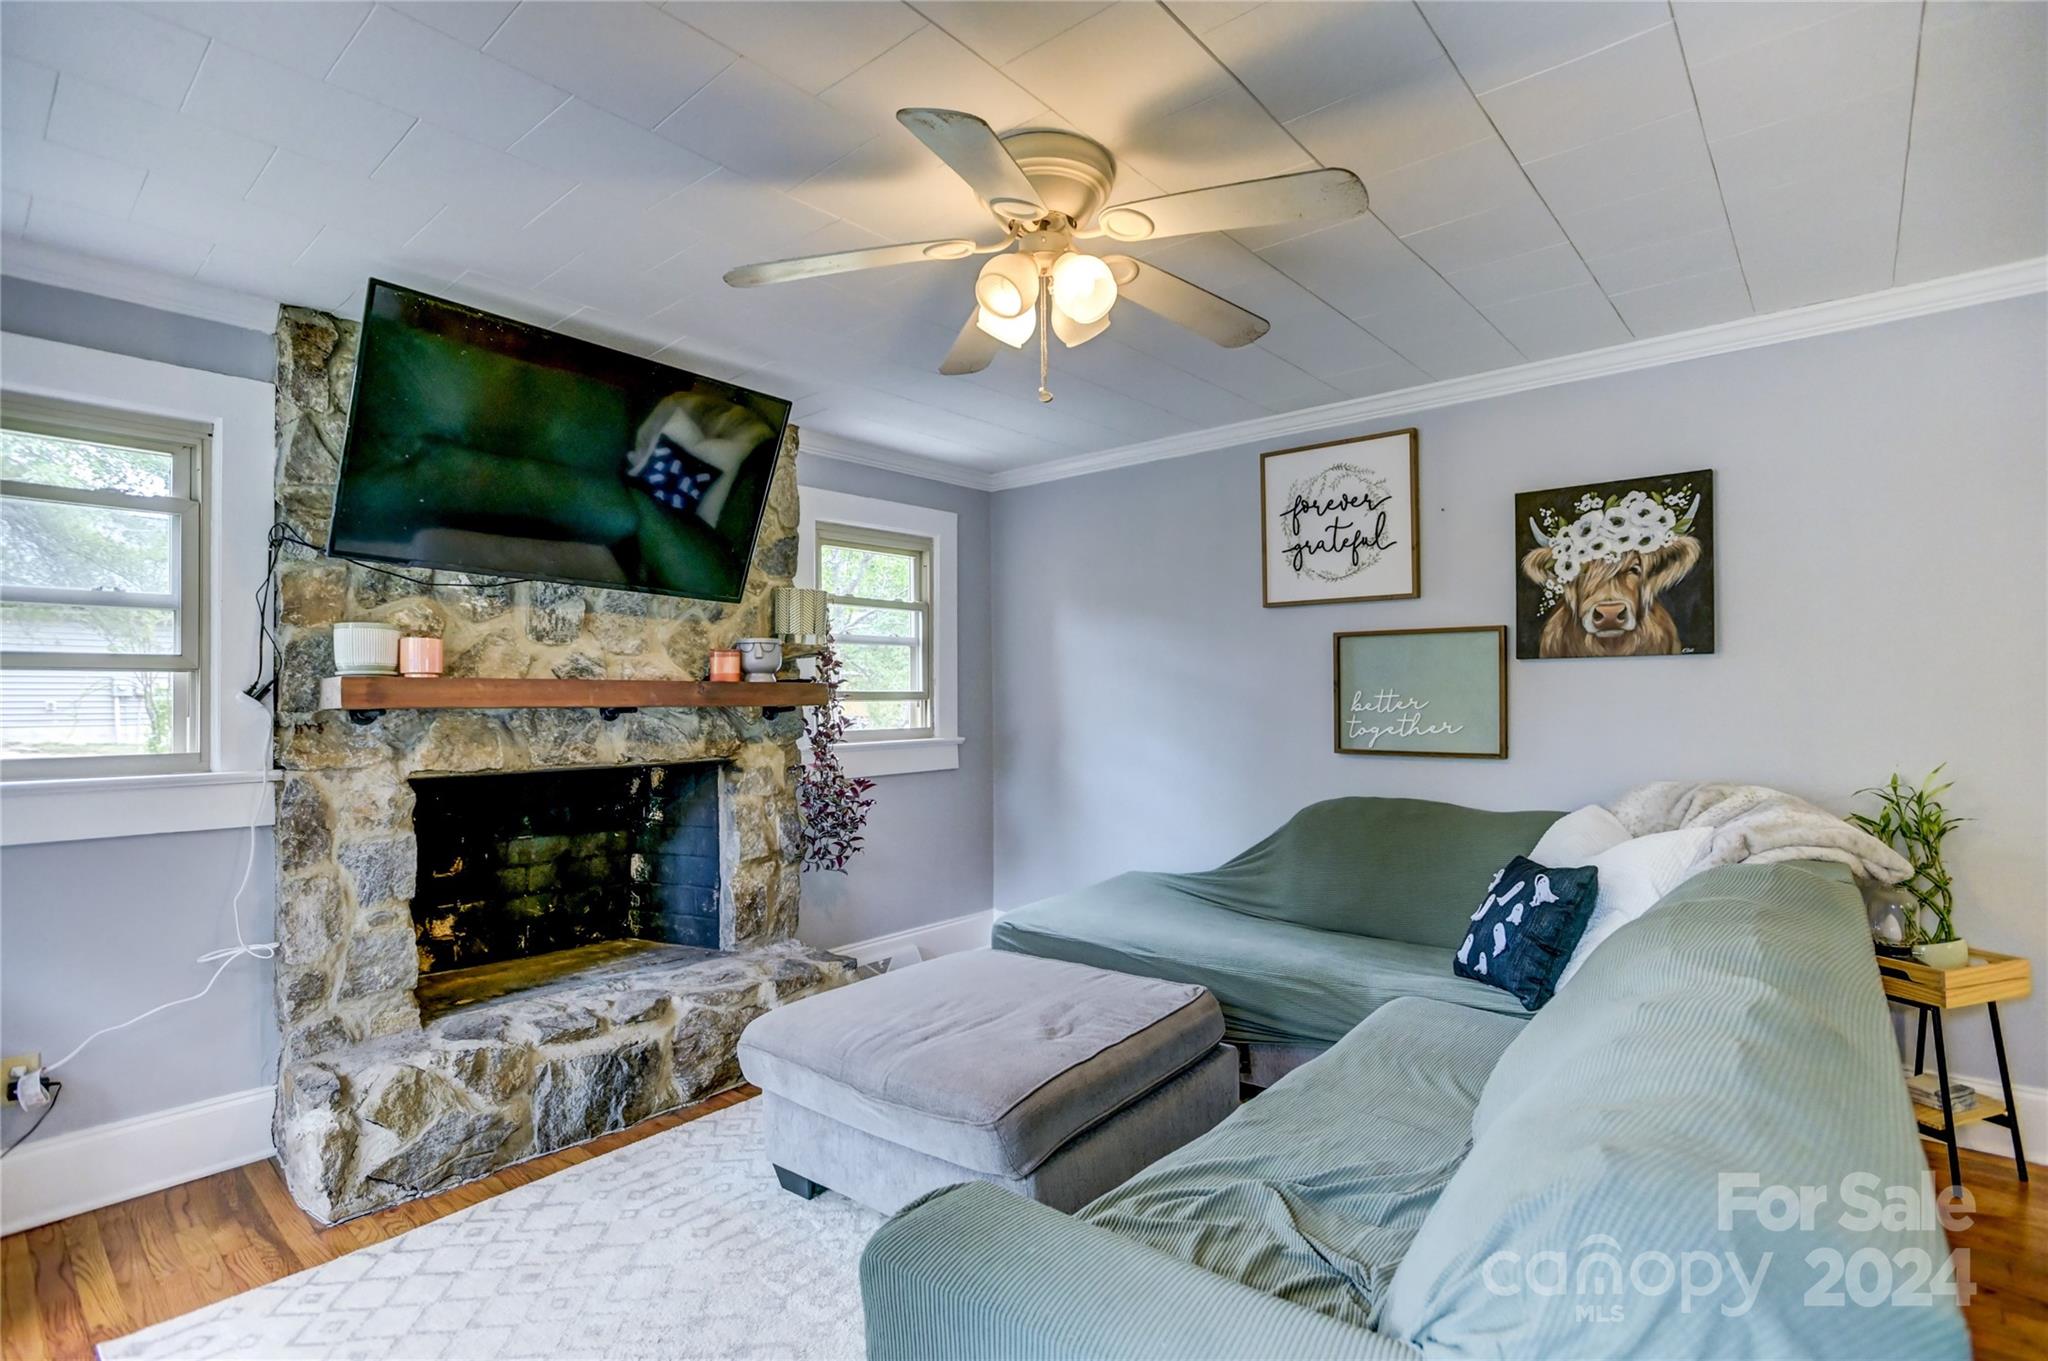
<point>29,1089</point>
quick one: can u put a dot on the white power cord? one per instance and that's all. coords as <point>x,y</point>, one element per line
<point>227,955</point>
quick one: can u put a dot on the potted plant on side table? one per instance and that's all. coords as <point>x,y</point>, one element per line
<point>1912,819</point>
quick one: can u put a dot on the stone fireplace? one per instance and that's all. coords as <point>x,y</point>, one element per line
<point>506,931</point>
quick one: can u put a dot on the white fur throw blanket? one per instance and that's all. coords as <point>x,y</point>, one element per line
<point>1752,823</point>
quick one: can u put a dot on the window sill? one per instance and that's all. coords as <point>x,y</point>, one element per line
<point>33,812</point>
<point>905,756</point>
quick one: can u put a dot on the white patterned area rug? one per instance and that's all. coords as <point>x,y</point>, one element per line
<point>678,1246</point>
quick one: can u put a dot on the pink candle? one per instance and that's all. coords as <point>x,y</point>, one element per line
<point>419,656</point>
<point>725,664</point>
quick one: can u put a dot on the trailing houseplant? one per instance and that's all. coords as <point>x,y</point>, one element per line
<point>832,806</point>
<point>1912,819</point>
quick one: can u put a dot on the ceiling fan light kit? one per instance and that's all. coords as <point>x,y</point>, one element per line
<point>1046,188</point>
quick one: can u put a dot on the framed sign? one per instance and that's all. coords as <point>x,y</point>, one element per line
<point>1338,521</point>
<point>1616,569</point>
<point>1423,692</point>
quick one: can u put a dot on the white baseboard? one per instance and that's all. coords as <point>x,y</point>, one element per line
<point>2033,1107</point>
<point>71,1173</point>
<point>970,932</point>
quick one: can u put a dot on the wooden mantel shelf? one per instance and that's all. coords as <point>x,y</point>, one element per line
<point>366,697</point>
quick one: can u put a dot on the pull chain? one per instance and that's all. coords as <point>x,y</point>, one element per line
<point>1044,324</point>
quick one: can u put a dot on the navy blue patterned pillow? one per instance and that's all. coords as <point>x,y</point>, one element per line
<point>1523,934</point>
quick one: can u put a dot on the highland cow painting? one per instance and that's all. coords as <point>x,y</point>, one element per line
<point>1616,569</point>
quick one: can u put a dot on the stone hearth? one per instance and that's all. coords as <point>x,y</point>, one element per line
<point>373,1106</point>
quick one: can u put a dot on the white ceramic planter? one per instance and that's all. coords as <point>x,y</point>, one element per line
<point>1944,954</point>
<point>366,649</point>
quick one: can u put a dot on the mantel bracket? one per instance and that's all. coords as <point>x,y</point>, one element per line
<point>364,717</point>
<point>608,715</point>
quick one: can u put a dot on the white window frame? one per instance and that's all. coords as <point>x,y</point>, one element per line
<point>231,787</point>
<point>186,444</point>
<point>881,756</point>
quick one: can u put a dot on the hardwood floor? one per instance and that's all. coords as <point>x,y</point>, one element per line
<point>81,1281</point>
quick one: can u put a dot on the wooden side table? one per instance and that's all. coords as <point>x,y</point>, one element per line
<point>1988,979</point>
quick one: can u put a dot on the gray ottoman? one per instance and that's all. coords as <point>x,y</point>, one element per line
<point>1056,1080</point>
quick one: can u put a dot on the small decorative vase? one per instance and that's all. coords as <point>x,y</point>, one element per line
<point>760,658</point>
<point>419,657</point>
<point>366,649</point>
<point>725,664</point>
<point>1943,954</point>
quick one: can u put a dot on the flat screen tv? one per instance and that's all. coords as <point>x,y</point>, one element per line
<point>480,444</point>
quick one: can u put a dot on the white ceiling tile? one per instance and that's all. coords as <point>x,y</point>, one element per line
<point>1498,43</point>
<point>1359,267</point>
<point>741,216</point>
<point>1565,322</point>
<point>1378,378</point>
<point>627,237</point>
<point>763,127</point>
<point>1707,252</point>
<point>1225,267</point>
<point>1223,139</point>
<point>260,98</point>
<point>895,188</point>
<point>1203,15</point>
<point>407,65</point>
<point>1325,343</point>
<point>172,206</point>
<point>627,163</point>
<point>1444,188</point>
<point>109,123</point>
<point>1300,58</point>
<point>1830,237</point>
<point>472,21</point>
<point>26,89</point>
<point>1866,131</point>
<point>430,161</point>
<point>1135,373</point>
<point>1860,51</point>
<point>13,211</point>
<point>60,224</point>
<point>630,59</point>
<point>1126,67</point>
<point>810,45</point>
<point>306,36</point>
<point>1521,225</point>
<point>30,165</point>
<point>1713,29</point>
<point>1633,83</point>
<point>1668,151</point>
<point>281,280</point>
<point>458,239</point>
<point>1519,276</point>
<point>1683,304</point>
<point>1000,33</point>
<point>1662,214</point>
<point>1419,112</point>
<point>613,332</point>
<point>143,56</point>
<point>593,280</point>
<point>371,208</point>
<point>929,70</point>
<point>1443,341</point>
<point>508,299</point>
<point>1252,372</point>
<point>336,254</point>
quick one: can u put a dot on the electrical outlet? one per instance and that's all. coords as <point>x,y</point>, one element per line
<point>18,1063</point>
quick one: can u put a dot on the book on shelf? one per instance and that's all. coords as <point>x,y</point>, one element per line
<point>1925,1089</point>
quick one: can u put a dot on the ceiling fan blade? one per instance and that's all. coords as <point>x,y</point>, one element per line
<point>1185,304</point>
<point>972,350</point>
<point>974,152</point>
<point>845,261</point>
<point>1309,196</point>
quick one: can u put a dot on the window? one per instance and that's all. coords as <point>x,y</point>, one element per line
<point>101,591</point>
<point>878,589</point>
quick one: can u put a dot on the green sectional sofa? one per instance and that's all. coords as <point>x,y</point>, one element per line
<point>1459,1180</point>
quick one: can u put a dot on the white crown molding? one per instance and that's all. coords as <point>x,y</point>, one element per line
<point>1775,328</point>
<point>828,445</point>
<point>42,264</point>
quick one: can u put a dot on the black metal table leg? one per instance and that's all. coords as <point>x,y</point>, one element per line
<point>1948,1115</point>
<point>1920,1047</point>
<point>2012,1110</point>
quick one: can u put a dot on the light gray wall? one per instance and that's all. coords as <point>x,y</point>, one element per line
<point>1881,567</point>
<point>92,932</point>
<point>930,839</point>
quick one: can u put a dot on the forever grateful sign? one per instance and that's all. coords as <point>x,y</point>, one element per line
<point>1422,692</point>
<point>1338,521</point>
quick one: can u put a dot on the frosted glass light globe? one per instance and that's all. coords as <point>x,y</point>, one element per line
<point>1012,331</point>
<point>1083,287</point>
<point>1008,286</point>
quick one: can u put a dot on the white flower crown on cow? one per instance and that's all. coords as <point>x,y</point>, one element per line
<point>1640,522</point>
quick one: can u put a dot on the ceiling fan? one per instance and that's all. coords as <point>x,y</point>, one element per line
<point>1046,189</point>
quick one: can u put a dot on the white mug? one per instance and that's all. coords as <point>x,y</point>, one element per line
<point>366,649</point>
